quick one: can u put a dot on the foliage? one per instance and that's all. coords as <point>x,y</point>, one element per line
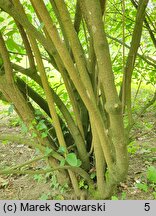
<point>58,190</point>
<point>72,159</point>
<point>123,196</point>
<point>133,148</point>
<point>142,186</point>
<point>67,68</point>
<point>151,174</point>
<point>149,182</point>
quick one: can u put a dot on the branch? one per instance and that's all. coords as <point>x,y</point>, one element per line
<point>26,45</point>
<point>30,142</point>
<point>7,64</point>
<point>18,14</point>
<point>77,170</point>
<point>78,17</point>
<point>150,103</point>
<point>27,163</point>
<point>143,110</point>
<point>63,109</point>
<point>135,42</point>
<point>151,61</point>
<point>147,25</point>
<point>75,46</point>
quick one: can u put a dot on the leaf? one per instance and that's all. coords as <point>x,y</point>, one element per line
<point>154,194</point>
<point>10,33</point>
<point>41,126</point>
<point>44,134</point>
<point>93,175</point>
<point>12,45</point>
<point>153,149</point>
<point>107,176</point>
<point>141,186</point>
<point>151,174</point>
<point>34,135</point>
<point>10,109</point>
<point>11,22</point>
<point>3,183</point>
<point>59,197</point>
<point>24,128</point>
<point>62,163</point>
<point>72,159</point>
<point>45,196</point>
<point>81,183</point>
<point>123,197</point>
<point>65,96</point>
<point>18,59</point>
<point>1,19</point>
<point>38,112</point>
<point>62,150</point>
<point>38,177</point>
<point>5,142</point>
<point>79,163</point>
<point>48,151</point>
<point>114,198</point>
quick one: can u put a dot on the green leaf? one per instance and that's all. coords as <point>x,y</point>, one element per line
<point>1,19</point>
<point>44,196</point>
<point>24,128</point>
<point>81,183</point>
<point>54,183</point>
<point>34,135</point>
<point>5,142</point>
<point>123,197</point>
<point>72,159</point>
<point>38,177</point>
<point>12,45</point>
<point>154,194</point>
<point>93,175</point>
<point>141,186</point>
<point>114,198</point>
<point>11,22</point>
<point>107,176</point>
<point>38,112</point>
<point>18,59</point>
<point>44,134</point>
<point>151,174</point>
<point>65,96</point>
<point>62,162</point>
<point>79,163</point>
<point>10,109</point>
<point>62,150</point>
<point>41,126</point>
<point>33,122</point>
<point>48,151</point>
<point>10,33</point>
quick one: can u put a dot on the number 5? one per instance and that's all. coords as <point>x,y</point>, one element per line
<point>147,207</point>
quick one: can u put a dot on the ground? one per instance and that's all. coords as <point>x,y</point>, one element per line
<point>21,187</point>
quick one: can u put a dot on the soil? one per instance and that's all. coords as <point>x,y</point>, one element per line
<point>25,187</point>
<point>17,187</point>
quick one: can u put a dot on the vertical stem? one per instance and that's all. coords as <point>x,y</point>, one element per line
<point>123,54</point>
<point>27,46</point>
<point>113,106</point>
<point>75,45</point>
<point>51,104</point>
<point>48,93</point>
<point>99,162</point>
<point>135,42</point>
<point>7,65</point>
